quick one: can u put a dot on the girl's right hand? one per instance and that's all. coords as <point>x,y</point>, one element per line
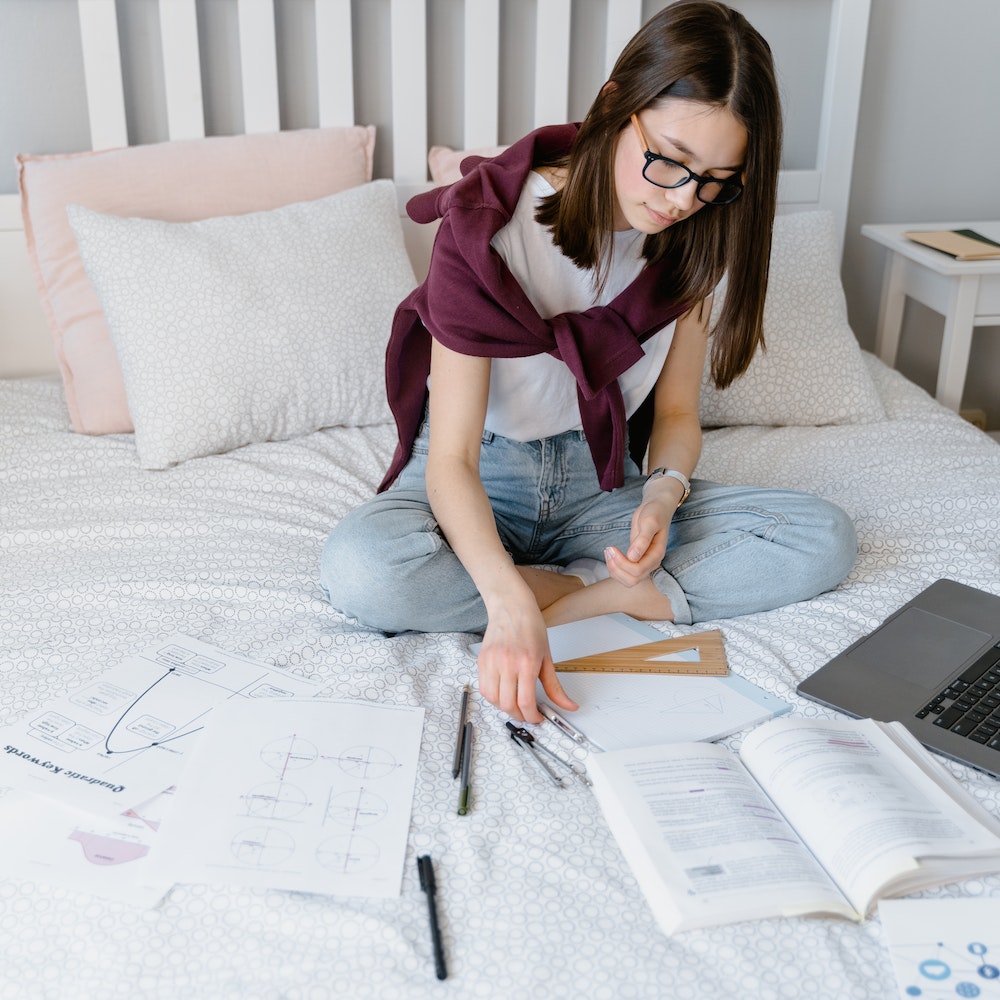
<point>513,658</point>
<point>515,651</point>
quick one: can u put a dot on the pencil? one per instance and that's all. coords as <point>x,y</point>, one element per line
<point>463,711</point>
<point>465,794</point>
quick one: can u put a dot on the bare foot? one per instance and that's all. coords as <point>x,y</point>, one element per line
<point>549,586</point>
<point>643,601</point>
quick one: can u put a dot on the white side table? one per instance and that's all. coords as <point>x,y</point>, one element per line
<point>966,293</point>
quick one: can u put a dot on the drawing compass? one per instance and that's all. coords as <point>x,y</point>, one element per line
<point>524,739</point>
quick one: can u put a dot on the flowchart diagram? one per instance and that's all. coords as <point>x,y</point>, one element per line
<point>944,948</point>
<point>121,738</point>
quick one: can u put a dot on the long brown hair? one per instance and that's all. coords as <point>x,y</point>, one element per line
<point>704,51</point>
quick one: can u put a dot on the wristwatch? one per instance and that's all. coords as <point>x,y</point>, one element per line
<point>674,474</point>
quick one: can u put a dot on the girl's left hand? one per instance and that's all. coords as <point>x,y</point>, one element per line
<point>647,543</point>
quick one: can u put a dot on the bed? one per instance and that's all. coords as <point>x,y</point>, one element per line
<point>196,512</point>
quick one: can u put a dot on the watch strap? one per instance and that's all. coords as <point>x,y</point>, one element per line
<point>662,473</point>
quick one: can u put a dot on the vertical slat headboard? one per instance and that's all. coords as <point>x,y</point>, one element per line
<point>845,63</point>
<point>497,68</point>
<point>334,63</point>
<point>409,91</point>
<point>102,70</point>
<point>403,58</point>
<point>624,20</point>
<point>828,185</point>
<point>182,69</point>
<point>481,76</point>
<point>259,66</point>
<point>552,46</point>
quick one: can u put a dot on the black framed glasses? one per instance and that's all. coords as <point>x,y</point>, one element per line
<point>667,173</point>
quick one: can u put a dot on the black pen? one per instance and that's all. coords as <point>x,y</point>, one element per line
<point>463,795</point>
<point>425,869</point>
<point>456,764</point>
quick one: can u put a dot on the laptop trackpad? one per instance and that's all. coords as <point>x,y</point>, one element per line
<point>920,647</point>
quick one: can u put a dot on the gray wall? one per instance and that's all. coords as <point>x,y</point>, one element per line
<point>928,151</point>
<point>928,141</point>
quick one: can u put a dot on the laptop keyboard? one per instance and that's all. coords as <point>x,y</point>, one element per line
<point>970,704</point>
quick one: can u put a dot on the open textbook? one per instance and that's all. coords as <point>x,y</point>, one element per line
<point>812,817</point>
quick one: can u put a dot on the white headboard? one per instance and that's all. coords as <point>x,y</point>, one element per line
<point>408,39</point>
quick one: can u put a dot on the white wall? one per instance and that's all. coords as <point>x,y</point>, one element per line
<point>928,142</point>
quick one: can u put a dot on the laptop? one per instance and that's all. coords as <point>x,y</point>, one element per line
<point>933,665</point>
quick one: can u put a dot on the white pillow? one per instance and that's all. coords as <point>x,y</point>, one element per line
<point>248,328</point>
<point>812,372</point>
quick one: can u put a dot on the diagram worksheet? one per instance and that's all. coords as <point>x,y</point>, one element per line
<point>311,795</point>
<point>121,739</point>
<point>619,710</point>
<point>944,948</point>
<point>48,841</point>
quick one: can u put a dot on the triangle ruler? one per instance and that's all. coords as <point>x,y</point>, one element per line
<point>654,658</point>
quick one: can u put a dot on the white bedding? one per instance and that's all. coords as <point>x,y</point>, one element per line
<point>99,557</point>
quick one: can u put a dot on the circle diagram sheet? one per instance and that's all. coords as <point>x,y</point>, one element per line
<point>312,795</point>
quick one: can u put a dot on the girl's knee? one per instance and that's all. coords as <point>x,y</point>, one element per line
<point>342,566</point>
<point>838,541</point>
<point>372,561</point>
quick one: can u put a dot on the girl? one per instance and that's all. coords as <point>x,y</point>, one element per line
<point>557,342</point>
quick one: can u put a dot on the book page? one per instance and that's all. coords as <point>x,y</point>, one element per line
<point>705,843</point>
<point>865,810</point>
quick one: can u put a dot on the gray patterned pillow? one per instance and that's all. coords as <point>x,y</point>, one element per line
<point>248,328</point>
<point>812,372</point>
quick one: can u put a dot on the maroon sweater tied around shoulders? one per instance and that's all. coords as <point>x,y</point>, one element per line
<point>472,304</point>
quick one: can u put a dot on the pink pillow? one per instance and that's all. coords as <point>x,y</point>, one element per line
<point>445,163</point>
<point>174,182</point>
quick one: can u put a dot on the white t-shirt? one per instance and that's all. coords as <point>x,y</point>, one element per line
<point>535,397</point>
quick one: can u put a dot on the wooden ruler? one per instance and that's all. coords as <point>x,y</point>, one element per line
<point>643,659</point>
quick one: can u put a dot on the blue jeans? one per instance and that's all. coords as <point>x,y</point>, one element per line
<point>732,550</point>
